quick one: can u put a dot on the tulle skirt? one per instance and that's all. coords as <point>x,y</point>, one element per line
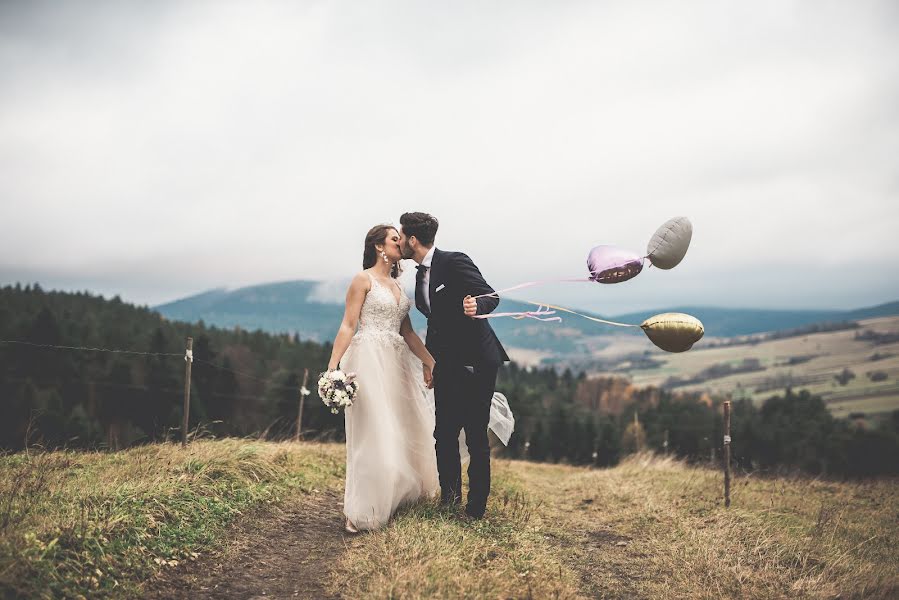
<point>389,431</point>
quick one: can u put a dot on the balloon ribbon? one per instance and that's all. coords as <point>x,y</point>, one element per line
<point>531,284</point>
<point>549,309</point>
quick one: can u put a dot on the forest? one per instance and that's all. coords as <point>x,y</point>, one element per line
<point>81,371</point>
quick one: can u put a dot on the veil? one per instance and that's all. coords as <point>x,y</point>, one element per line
<point>501,423</point>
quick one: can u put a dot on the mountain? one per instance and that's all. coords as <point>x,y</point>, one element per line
<point>299,307</point>
<point>273,307</point>
<point>293,307</point>
<point>730,322</point>
<point>881,310</point>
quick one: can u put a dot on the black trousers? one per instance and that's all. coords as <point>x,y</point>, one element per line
<point>462,399</point>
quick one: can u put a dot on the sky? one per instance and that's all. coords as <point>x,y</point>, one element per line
<point>154,150</point>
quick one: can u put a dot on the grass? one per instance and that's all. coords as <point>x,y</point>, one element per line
<point>656,527</point>
<point>98,524</point>
<point>651,527</point>
<point>429,552</point>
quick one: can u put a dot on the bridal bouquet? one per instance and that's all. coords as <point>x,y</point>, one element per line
<point>337,389</point>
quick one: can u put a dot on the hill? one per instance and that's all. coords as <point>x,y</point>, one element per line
<point>247,518</point>
<point>855,371</point>
<point>296,307</point>
<point>274,308</point>
<point>299,307</point>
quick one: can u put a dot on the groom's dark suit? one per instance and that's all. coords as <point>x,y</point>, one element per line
<point>468,356</point>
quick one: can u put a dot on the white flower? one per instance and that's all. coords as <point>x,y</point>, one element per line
<point>337,389</point>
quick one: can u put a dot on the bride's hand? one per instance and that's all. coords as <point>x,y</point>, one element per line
<point>428,371</point>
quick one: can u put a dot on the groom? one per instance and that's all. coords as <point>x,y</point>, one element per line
<point>467,352</point>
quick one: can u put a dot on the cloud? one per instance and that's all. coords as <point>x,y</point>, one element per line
<point>329,292</point>
<point>225,144</point>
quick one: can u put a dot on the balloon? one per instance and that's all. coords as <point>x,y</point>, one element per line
<point>669,243</point>
<point>673,332</point>
<point>610,264</point>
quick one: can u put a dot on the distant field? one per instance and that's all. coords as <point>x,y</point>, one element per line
<point>811,362</point>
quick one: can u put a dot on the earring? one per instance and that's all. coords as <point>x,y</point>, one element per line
<point>384,255</point>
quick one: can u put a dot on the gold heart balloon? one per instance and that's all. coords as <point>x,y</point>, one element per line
<point>673,332</point>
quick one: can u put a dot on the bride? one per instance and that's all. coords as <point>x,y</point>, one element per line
<point>390,426</point>
<point>391,459</point>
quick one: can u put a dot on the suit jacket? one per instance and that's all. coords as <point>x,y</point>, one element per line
<point>452,337</point>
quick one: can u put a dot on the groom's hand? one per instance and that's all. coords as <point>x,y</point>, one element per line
<point>428,372</point>
<point>470,306</point>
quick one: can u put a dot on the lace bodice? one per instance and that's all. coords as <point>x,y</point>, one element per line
<point>381,314</point>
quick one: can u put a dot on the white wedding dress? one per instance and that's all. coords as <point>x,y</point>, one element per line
<point>390,453</point>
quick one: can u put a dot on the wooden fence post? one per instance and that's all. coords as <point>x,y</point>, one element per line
<point>188,361</point>
<point>727,453</point>
<point>303,393</point>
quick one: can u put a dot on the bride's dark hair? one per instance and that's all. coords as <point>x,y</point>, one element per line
<point>377,235</point>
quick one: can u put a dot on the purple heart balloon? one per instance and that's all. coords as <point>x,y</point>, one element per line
<point>611,264</point>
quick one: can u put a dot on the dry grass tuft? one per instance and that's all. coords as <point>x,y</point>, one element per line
<point>94,524</point>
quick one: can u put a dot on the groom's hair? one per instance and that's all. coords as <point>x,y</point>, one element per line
<point>422,225</point>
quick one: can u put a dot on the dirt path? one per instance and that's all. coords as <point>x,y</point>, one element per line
<point>283,552</point>
<point>576,515</point>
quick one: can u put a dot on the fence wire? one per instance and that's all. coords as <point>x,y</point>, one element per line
<point>269,382</point>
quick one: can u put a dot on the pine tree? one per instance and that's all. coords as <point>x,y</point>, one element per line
<point>608,447</point>
<point>161,405</point>
<point>224,398</point>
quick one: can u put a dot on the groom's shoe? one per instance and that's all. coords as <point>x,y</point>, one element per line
<point>474,513</point>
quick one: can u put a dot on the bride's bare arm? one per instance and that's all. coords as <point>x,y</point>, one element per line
<point>418,349</point>
<point>415,344</point>
<point>355,296</point>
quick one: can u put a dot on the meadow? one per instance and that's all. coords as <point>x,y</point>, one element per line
<point>241,514</point>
